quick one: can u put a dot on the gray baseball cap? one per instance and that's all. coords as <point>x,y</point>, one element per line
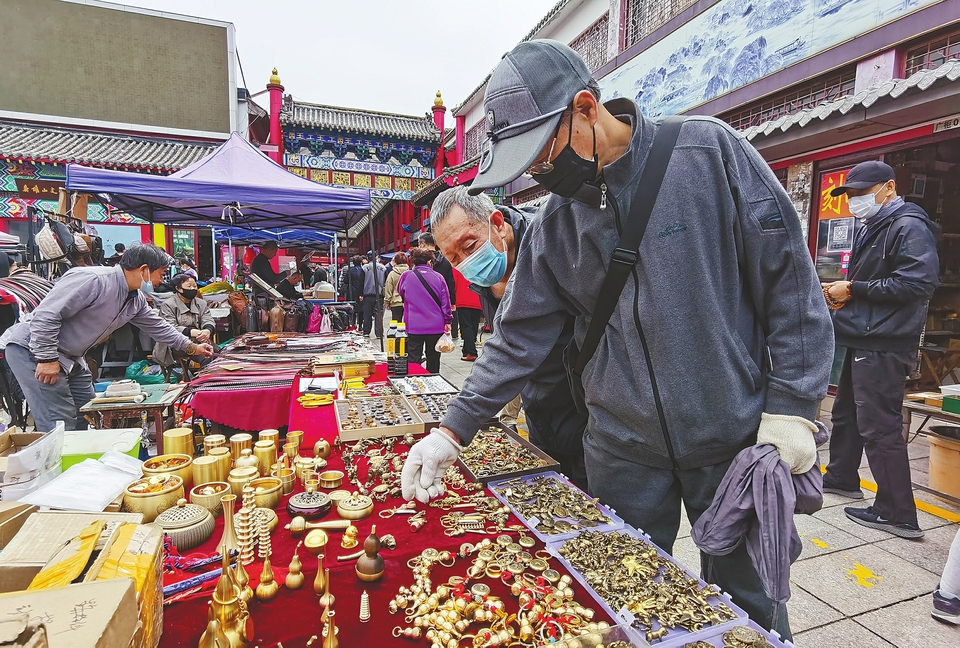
<point>526,96</point>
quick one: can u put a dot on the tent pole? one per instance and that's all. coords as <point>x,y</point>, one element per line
<point>213,245</point>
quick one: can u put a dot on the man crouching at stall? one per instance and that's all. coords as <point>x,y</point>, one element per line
<point>718,340</point>
<point>45,350</point>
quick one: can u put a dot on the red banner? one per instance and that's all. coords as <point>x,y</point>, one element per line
<point>833,207</point>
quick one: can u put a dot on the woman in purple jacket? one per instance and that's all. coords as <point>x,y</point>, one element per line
<point>426,313</point>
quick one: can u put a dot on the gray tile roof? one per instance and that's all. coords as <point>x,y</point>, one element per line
<point>864,99</point>
<point>62,146</point>
<point>353,120</point>
<point>439,184</point>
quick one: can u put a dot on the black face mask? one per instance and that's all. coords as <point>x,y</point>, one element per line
<point>570,170</point>
<point>189,294</point>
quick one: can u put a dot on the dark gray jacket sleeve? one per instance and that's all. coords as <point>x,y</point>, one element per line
<point>206,318</point>
<point>917,268</point>
<point>526,327</point>
<point>74,292</point>
<point>783,285</point>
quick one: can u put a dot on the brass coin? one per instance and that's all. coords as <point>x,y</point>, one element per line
<point>430,554</point>
<point>515,568</point>
<point>552,575</point>
<point>527,542</point>
<point>745,634</point>
<point>480,589</point>
<point>514,548</point>
<point>486,555</point>
<point>504,540</point>
<point>538,564</point>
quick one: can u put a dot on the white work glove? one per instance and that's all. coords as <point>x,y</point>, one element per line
<point>423,470</point>
<point>792,436</point>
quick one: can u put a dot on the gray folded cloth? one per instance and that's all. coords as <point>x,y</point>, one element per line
<point>755,503</point>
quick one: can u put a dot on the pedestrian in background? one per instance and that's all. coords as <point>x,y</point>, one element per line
<point>878,316</point>
<point>427,313</point>
<point>392,301</point>
<point>372,289</point>
<point>468,313</point>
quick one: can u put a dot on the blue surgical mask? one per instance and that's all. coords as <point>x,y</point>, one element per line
<point>146,287</point>
<point>486,266</point>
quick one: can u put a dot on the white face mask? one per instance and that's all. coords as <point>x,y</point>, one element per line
<point>865,207</point>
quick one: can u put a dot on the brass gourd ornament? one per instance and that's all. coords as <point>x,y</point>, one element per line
<point>370,565</point>
<point>328,599</point>
<point>213,636</point>
<point>242,580</point>
<point>295,577</point>
<point>268,586</point>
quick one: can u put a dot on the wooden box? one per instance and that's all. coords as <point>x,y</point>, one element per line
<point>341,408</point>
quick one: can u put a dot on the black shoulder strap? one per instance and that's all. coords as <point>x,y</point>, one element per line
<point>429,289</point>
<point>627,251</point>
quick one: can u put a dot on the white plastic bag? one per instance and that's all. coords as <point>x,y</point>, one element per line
<point>445,344</point>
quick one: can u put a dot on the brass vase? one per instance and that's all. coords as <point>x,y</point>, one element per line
<point>328,599</point>
<point>229,539</point>
<point>295,575</point>
<point>268,586</point>
<point>242,579</point>
<point>320,582</point>
<point>330,641</point>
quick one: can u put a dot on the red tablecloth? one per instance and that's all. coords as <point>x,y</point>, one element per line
<point>245,409</point>
<point>294,615</point>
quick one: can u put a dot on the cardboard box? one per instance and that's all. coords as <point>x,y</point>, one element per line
<point>87,615</point>
<point>12,517</point>
<point>28,461</point>
<point>39,539</point>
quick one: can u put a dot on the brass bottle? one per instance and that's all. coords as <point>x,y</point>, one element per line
<point>320,582</point>
<point>268,586</point>
<point>327,600</point>
<point>243,583</point>
<point>330,641</point>
<point>229,539</point>
<point>228,608</point>
<point>213,636</point>
<point>295,575</point>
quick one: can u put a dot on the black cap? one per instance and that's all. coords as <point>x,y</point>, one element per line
<point>864,176</point>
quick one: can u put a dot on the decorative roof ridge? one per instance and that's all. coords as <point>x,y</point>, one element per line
<point>425,117</point>
<point>893,88</point>
<point>447,173</point>
<point>77,130</point>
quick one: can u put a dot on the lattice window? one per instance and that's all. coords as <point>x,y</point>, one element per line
<point>474,139</point>
<point>591,45</point>
<point>808,95</point>
<point>933,53</point>
<point>646,16</point>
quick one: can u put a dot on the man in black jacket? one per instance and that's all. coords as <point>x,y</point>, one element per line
<point>879,314</point>
<point>261,267</point>
<point>462,224</point>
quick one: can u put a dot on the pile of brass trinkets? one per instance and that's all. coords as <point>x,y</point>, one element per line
<point>628,572</point>
<point>737,637</point>
<point>370,390</point>
<point>492,452</point>
<point>383,465</point>
<point>375,412</point>
<point>559,507</point>
<point>546,611</point>
<point>430,407</point>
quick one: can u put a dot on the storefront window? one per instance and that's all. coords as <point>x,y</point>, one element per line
<point>835,238</point>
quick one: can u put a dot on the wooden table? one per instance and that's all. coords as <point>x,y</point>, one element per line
<point>109,415</point>
<point>940,362</point>
<point>919,408</point>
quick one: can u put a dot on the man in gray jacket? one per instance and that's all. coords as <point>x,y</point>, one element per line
<point>45,350</point>
<point>719,340</point>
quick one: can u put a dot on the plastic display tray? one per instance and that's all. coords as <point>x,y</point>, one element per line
<point>714,636</point>
<point>675,637</point>
<point>423,384</point>
<point>531,523</point>
<point>606,637</point>
<point>549,463</point>
<point>355,434</point>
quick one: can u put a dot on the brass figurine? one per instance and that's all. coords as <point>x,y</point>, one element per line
<point>349,537</point>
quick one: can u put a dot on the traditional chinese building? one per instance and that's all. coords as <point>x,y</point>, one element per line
<point>392,155</point>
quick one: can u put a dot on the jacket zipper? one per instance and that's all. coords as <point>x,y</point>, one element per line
<point>643,338</point>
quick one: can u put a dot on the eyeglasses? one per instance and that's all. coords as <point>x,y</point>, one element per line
<point>539,168</point>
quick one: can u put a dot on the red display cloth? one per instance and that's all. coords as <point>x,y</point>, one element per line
<point>245,409</point>
<point>293,616</point>
<point>321,422</point>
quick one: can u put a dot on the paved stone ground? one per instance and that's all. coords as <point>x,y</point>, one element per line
<point>852,586</point>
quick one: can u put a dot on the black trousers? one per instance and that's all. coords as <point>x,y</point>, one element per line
<point>868,417</point>
<point>370,315</point>
<point>649,499</point>
<point>396,313</point>
<point>418,344</point>
<point>469,327</point>
<point>455,325</point>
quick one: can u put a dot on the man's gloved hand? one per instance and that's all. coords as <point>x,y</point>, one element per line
<point>423,470</point>
<point>792,436</point>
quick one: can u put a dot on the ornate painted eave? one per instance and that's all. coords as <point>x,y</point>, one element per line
<point>361,122</point>
<point>445,180</point>
<point>53,145</point>
<point>892,89</point>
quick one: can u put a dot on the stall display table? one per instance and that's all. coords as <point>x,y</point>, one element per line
<point>913,408</point>
<point>941,362</point>
<point>109,415</point>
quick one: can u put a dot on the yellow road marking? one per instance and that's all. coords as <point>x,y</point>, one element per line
<point>820,543</point>
<point>926,507</point>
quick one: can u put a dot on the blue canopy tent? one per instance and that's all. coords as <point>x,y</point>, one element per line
<point>236,186</point>
<point>283,237</point>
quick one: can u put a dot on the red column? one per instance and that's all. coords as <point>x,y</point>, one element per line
<point>276,102</point>
<point>438,110</point>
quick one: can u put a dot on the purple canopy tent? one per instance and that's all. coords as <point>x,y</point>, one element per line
<point>236,185</point>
